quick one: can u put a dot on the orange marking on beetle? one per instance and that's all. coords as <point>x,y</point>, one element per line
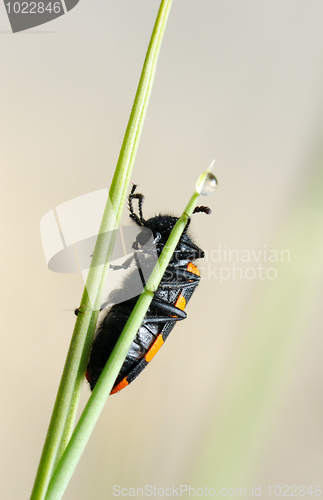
<point>124,382</point>
<point>180,303</point>
<point>154,348</point>
<point>192,269</point>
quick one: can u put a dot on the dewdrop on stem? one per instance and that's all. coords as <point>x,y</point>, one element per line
<point>207,182</point>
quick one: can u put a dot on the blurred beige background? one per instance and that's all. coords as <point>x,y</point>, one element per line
<point>235,397</point>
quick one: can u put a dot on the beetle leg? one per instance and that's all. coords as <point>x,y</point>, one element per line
<point>171,313</point>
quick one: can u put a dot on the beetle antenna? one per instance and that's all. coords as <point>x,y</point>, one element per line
<point>202,209</point>
<point>140,203</point>
<point>140,221</point>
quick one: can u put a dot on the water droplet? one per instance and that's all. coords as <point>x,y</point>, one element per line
<point>206,184</point>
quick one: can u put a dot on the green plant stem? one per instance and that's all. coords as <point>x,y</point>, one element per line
<point>127,156</point>
<point>90,415</point>
<point>67,399</point>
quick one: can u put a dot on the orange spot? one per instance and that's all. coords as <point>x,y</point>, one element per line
<point>192,269</point>
<point>180,303</point>
<point>124,382</point>
<point>154,348</point>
